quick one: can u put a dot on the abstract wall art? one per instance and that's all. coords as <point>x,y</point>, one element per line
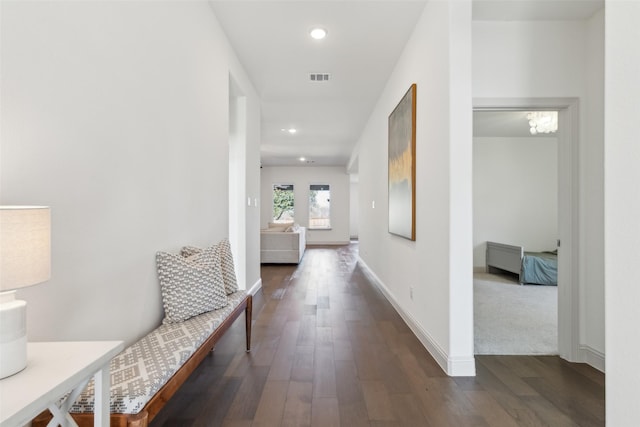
<point>402,167</point>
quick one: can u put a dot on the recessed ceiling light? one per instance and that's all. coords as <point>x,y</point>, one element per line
<point>302,159</point>
<point>318,33</point>
<point>292,130</point>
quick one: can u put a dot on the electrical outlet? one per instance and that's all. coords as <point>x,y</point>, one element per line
<point>411,292</point>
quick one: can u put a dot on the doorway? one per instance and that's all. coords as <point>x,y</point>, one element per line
<point>567,207</point>
<point>237,179</point>
<point>515,187</point>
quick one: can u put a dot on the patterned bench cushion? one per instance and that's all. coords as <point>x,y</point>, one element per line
<point>143,368</point>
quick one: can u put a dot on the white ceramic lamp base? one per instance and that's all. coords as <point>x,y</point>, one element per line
<point>13,334</point>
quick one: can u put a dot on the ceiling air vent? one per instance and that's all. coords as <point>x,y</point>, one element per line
<point>319,77</point>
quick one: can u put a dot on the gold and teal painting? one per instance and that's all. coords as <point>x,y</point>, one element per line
<point>402,167</point>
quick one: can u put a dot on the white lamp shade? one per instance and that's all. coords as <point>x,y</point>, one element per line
<point>25,246</point>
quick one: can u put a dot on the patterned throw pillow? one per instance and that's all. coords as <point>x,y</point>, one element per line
<point>187,251</point>
<point>228,271</point>
<point>225,259</point>
<point>188,286</point>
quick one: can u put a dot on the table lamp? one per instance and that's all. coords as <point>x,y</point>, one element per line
<point>25,260</point>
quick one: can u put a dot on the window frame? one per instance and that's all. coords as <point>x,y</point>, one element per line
<point>293,206</point>
<point>310,206</point>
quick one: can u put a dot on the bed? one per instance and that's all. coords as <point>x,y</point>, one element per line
<point>532,268</point>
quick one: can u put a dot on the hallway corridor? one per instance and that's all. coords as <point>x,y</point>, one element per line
<point>329,350</point>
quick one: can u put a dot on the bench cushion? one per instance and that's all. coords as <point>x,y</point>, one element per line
<point>143,368</point>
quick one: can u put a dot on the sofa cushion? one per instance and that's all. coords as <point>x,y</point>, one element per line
<point>190,287</point>
<point>279,226</point>
<point>292,228</point>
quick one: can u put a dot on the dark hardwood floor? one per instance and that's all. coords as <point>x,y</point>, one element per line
<point>329,350</point>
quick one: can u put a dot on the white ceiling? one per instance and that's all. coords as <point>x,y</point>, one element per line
<point>535,10</point>
<point>271,38</point>
<point>365,39</point>
<point>502,124</point>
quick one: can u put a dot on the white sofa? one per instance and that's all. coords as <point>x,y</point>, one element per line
<point>278,246</point>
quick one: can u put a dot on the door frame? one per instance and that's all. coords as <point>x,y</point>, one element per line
<point>237,223</point>
<point>568,209</point>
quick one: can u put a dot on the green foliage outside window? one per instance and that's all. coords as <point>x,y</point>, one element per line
<point>283,199</point>
<point>319,206</point>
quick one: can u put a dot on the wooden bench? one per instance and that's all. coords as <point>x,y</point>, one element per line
<point>149,406</point>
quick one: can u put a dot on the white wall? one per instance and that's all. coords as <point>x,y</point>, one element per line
<point>438,264</point>
<point>301,178</point>
<point>508,62</point>
<point>237,168</point>
<point>354,209</point>
<point>622,210</point>
<point>515,193</point>
<point>115,114</point>
<point>592,314</point>
<point>244,179</point>
<point>252,191</point>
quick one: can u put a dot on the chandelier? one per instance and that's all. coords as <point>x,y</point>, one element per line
<point>542,121</point>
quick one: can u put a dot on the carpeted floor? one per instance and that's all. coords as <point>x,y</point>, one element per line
<point>510,318</point>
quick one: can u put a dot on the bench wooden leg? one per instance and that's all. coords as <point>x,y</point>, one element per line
<point>247,316</point>
<point>140,419</point>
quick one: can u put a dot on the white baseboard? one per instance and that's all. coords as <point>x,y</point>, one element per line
<point>331,243</point>
<point>256,287</point>
<point>592,357</point>
<point>461,367</point>
<point>452,366</point>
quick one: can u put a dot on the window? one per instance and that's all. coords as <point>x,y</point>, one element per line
<point>283,203</point>
<point>319,206</point>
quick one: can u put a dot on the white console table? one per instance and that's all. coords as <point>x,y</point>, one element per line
<point>53,370</point>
